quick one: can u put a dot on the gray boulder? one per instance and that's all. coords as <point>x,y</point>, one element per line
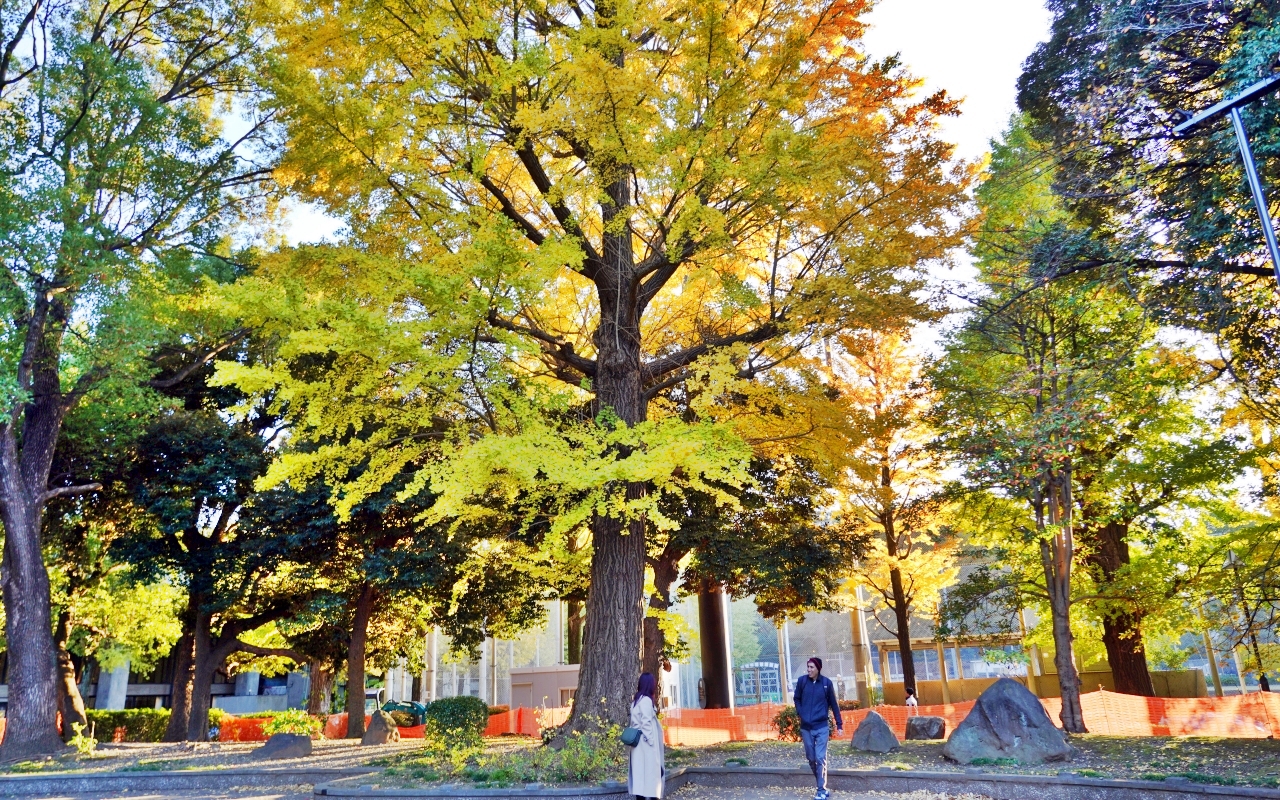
<point>382,729</point>
<point>926,728</point>
<point>1007,722</point>
<point>284,745</point>
<point>874,735</point>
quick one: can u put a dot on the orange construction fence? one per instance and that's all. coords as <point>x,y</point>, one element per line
<point>1251,716</point>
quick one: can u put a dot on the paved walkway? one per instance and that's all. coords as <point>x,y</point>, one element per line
<point>259,793</point>
<point>710,793</point>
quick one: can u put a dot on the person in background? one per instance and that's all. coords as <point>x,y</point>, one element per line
<point>912,703</point>
<point>646,774</point>
<point>815,700</point>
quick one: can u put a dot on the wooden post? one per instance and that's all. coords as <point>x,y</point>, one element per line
<point>942,671</point>
<point>1213,659</point>
<point>861,654</point>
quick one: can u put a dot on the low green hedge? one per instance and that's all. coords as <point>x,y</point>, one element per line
<point>458,714</point>
<point>140,724</point>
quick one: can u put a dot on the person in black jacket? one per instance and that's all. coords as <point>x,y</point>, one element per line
<point>815,699</point>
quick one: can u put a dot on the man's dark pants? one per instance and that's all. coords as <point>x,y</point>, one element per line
<point>815,749</point>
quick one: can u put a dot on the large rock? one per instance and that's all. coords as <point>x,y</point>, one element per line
<point>284,745</point>
<point>382,729</point>
<point>926,728</point>
<point>1007,722</point>
<point>874,735</point>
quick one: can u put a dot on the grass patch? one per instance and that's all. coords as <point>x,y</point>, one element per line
<point>23,767</point>
<point>156,765</point>
<point>994,762</point>
<point>1092,773</point>
<point>584,759</point>
<point>735,762</point>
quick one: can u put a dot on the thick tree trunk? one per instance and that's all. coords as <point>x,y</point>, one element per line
<point>1121,630</point>
<point>69,700</point>
<point>205,663</point>
<point>355,662</point>
<point>31,719</point>
<point>321,676</point>
<point>28,435</point>
<point>715,646</point>
<point>183,676</point>
<point>573,619</point>
<point>902,615</point>
<point>615,601</point>
<point>1122,636</point>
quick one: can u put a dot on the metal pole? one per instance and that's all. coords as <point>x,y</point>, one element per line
<point>1255,186</point>
<point>728,647</point>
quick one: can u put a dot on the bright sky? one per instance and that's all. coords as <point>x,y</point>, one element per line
<point>972,48</point>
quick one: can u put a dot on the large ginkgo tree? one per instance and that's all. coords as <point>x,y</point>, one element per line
<point>618,198</point>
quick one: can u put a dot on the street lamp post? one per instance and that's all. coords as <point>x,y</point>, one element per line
<point>1234,563</point>
<point>1231,107</point>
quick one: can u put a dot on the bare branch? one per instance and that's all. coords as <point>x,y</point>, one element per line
<point>200,360</point>
<point>509,211</point>
<point>67,491</point>
<point>283,652</point>
<point>666,364</point>
<point>552,346</point>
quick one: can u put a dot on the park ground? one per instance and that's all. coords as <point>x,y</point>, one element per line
<point>1252,762</point>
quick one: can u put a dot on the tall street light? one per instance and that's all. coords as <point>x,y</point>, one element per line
<point>1231,107</point>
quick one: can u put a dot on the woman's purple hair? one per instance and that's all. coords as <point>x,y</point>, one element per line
<point>648,687</point>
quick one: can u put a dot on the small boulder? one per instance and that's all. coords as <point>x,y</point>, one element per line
<point>382,729</point>
<point>284,745</point>
<point>926,728</point>
<point>874,735</point>
<point>1008,721</point>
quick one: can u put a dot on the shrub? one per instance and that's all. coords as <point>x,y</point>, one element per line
<point>293,720</point>
<point>848,705</point>
<point>498,710</point>
<point>140,724</point>
<point>787,723</point>
<point>458,714</point>
<point>216,715</point>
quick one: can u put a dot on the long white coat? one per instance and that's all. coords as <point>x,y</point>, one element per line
<point>646,774</point>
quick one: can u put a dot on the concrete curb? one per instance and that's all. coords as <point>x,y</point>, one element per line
<point>997,786</point>
<point>173,781</point>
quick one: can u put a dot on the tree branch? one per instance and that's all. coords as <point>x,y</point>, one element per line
<point>253,649</point>
<point>200,360</point>
<point>1154,263</point>
<point>561,351</point>
<point>562,213</point>
<point>67,491</point>
<point>509,211</point>
<point>666,364</point>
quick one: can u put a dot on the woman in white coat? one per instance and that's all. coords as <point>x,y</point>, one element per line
<point>646,775</point>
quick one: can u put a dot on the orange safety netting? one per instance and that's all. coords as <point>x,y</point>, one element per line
<point>1250,716</point>
<point>241,729</point>
<point>1255,716</point>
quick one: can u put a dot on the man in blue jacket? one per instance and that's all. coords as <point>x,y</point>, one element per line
<point>815,697</point>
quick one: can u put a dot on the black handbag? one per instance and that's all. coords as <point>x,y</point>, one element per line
<point>630,736</point>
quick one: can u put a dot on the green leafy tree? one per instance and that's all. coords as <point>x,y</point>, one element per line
<point>1110,407</point>
<point>116,192</point>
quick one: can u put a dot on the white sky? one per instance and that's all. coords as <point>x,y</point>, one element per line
<point>972,48</point>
